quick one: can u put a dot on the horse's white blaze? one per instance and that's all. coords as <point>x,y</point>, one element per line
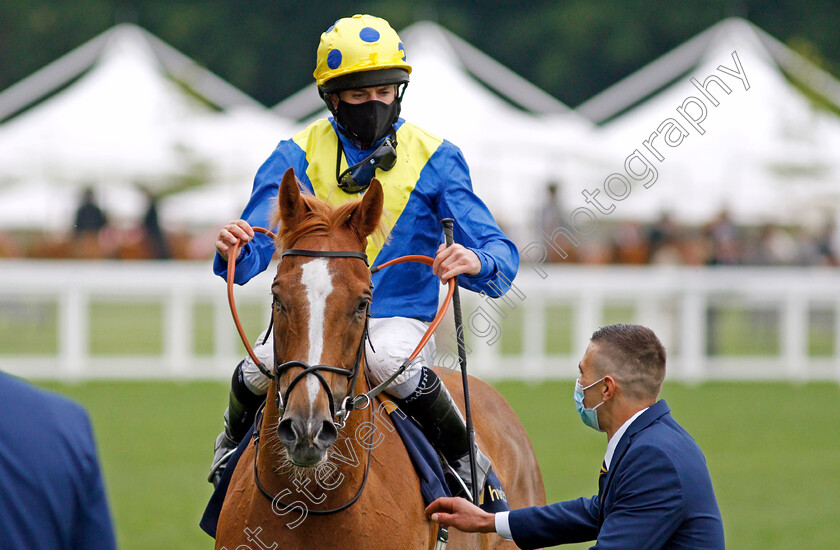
<point>316,279</point>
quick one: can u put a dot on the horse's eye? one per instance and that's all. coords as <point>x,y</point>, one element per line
<point>278,306</point>
<point>363,305</point>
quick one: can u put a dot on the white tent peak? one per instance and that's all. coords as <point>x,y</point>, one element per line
<point>730,34</point>
<point>127,40</point>
<point>128,51</point>
<point>766,152</point>
<point>125,110</point>
<point>509,85</point>
<point>124,41</point>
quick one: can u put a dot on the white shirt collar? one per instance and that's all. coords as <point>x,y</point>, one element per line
<point>613,443</point>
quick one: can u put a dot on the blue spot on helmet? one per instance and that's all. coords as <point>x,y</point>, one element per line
<point>334,59</point>
<point>369,34</point>
<point>401,47</point>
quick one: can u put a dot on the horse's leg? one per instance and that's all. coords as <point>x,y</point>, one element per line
<point>502,436</point>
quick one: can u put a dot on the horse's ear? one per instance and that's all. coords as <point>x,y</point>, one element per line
<point>365,218</point>
<point>291,205</point>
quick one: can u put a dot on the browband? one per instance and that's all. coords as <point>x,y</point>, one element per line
<point>325,254</point>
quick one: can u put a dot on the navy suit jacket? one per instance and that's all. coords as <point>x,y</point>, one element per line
<point>657,494</point>
<point>51,492</point>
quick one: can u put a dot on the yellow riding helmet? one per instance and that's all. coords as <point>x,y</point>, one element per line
<point>358,52</point>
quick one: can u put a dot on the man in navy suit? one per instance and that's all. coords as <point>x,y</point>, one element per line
<point>654,489</point>
<point>51,491</point>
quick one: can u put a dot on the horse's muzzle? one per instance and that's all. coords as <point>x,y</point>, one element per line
<point>306,441</point>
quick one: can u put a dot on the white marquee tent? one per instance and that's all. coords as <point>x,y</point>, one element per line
<point>125,110</point>
<point>768,153</point>
<point>515,137</point>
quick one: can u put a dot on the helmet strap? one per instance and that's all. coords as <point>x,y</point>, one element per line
<point>327,101</point>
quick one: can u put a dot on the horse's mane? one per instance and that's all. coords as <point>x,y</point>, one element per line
<point>322,220</point>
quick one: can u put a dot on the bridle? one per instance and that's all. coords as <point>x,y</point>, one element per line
<point>350,401</point>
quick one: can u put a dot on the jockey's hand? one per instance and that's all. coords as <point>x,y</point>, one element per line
<point>462,515</point>
<point>455,260</point>
<point>239,231</point>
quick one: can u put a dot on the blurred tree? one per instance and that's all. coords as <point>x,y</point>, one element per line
<point>571,48</point>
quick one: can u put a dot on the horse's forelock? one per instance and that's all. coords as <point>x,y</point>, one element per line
<point>320,219</point>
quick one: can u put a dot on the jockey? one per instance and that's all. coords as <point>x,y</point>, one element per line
<point>361,74</point>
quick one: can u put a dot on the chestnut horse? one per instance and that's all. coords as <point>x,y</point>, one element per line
<point>320,479</point>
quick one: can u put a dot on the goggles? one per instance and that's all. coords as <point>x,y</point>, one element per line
<point>357,178</point>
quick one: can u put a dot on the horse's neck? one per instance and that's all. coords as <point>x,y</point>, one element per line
<point>332,483</point>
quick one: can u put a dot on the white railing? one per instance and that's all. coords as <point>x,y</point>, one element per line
<point>508,338</point>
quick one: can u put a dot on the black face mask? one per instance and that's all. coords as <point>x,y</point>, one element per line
<point>369,121</point>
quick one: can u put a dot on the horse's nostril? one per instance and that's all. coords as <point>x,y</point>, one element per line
<point>327,435</point>
<point>287,431</point>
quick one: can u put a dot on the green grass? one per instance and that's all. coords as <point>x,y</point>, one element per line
<point>773,450</point>
<point>155,441</point>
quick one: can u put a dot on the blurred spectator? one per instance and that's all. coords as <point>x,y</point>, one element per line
<point>594,251</point>
<point>776,247</point>
<point>89,222</point>
<point>725,240</point>
<point>807,251</point>
<point>828,244</point>
<point>695,247</point>
<point>664,242</point>
<point>551,209</point>
<point>152,234</point>
<point>549,218</point>
<point>52,495</point>
<point>9,247</point>
<point>630,245</point>
<point>89,217</point>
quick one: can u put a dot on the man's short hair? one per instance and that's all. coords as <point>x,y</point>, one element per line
<point>634,356</point>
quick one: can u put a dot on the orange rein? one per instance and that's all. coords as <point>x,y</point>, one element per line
<point>234,253</point>
<point>441,312</point>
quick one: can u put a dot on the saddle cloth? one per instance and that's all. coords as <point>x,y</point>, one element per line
<point>423,456</point>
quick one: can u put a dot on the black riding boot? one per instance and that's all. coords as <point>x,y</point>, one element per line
<point>432,407</point>
<point>239,417</point>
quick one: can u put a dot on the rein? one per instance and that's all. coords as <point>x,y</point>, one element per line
<point>231,266</point>
<point>350,401</point>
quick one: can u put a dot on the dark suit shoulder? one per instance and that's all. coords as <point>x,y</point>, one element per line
<point>24,403</point>
<point>34,418</point>
<point>666,433</point>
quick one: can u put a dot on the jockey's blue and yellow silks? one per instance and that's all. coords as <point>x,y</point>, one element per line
<point>430,182</point>
<point>320,141</point>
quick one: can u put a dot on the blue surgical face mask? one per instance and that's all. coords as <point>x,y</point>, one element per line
<point>589,416</point>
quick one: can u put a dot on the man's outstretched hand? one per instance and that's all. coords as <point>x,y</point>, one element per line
<point>462,515</point>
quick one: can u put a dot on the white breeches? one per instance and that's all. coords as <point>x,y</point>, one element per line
<point>393,338</point>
